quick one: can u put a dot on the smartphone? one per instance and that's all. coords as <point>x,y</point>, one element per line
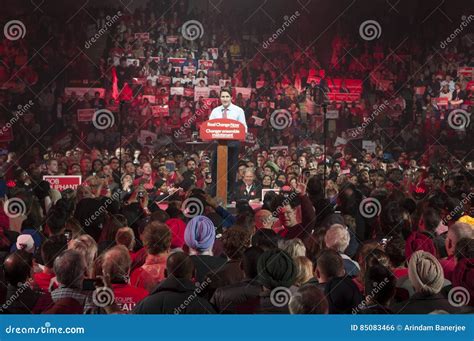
<point>170,166</point>
<point>68,235</point>
<point>89,284</point>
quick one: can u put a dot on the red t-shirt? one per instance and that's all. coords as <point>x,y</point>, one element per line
<point>43,279</point>
<point>150,274</point>
<point>400,272</point>
<point>127,296</point>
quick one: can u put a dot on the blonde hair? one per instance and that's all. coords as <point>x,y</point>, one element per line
<point>304,268</point>
<point>294,247</point>
<point>87,246</point>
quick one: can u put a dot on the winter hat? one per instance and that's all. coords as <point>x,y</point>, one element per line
<point>200,233</point>
<point>425,273</point>
<point>276,269</point>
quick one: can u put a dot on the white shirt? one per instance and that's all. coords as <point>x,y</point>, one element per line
<point>234,112</point>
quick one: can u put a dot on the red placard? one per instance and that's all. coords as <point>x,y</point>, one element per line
<point>222,129</point>
<point>171,39</point>
<point>207,64</point>
<point>466,71</point>
<point>164,80</point>
<point>62,182</point>
<point>160,110</point>
<point>420,90</point>
<point>188,69</point>
<point>441,101</point>
<point>188,92</point>
<point>85,115</point>
<point>145,36</point>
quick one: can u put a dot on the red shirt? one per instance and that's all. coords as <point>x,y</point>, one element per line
<point>42,279</point>
<point>448,265</point>
<point>127,296</point>
<point>400,272</point>
<point>150,274</point>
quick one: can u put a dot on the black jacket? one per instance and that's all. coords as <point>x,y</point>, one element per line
<point>174,296</point>
<point>425,304</point>
<point>205,264</point>
<point>241,192</point>
<point>231,299</point>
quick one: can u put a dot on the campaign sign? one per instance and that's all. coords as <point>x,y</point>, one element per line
<point>222,129</point>
<point>85,115</point>
<point>63,182</point>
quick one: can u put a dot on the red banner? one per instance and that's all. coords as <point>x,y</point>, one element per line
<point>343,97</point>
<point>175,60</point>
<point>222,129</point>
<point>62,182</point>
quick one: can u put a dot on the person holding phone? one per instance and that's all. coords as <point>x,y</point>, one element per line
<point>230,111</point>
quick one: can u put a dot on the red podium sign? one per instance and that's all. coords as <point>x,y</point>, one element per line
<point>222,129</point>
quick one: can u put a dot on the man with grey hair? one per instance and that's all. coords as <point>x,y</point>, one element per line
<point>249,188</point>
<point>116,264</point>
<point>456,232</point>
<point>337,238</point>
<point>68,298</point>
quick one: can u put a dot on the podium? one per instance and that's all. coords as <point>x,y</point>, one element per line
<point>222,130</point>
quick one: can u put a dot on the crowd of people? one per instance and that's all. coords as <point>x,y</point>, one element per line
<point>367,211</point>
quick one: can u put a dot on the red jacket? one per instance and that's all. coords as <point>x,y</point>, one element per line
<point>127,296</point>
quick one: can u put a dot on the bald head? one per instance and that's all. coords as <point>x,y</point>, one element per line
<point>18,267</point>
<point>264,219</point>
<point>457,232</point>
